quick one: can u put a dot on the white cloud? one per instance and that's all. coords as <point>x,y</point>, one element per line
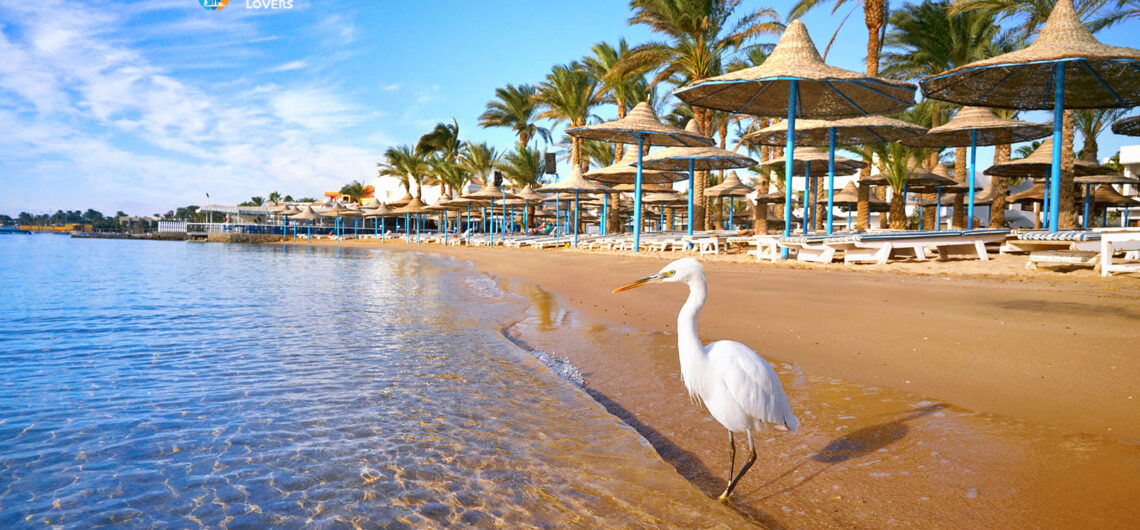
<point>290,66</point>
<point>86,114</point>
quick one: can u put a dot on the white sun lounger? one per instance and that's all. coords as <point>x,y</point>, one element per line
<point>1116,239</point>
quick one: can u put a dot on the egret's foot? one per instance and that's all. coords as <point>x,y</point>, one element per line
<point>723,497</point>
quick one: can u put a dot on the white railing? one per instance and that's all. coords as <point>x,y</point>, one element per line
<point>172,226</point>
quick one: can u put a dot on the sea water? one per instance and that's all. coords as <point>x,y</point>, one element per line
<point>176,384</point>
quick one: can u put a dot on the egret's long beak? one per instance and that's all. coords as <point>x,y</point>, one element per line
<point>656,278</point>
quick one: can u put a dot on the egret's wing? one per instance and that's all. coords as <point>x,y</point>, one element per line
<point>752,383</point>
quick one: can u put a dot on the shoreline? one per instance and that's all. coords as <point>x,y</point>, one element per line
<point>933,373</point>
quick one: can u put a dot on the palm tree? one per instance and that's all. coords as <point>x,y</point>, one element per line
<point>522,167</point>
<point>599,153</point>
<point>408,165</point>
<point>700,38</point>
<point>479,160</point>
<point>1000,186</point>
<point>874,16</point>
<point>896,164</point>
<point>927,39</point>
<point>514,107</point>
<point>623,88</point>
<point>1090,123</point>
<point>569,93</point>
<point>1030,16</point>
<point>274,197</point>
<point>450,175</point>
<point>356,190</point>
<point>443,139</point>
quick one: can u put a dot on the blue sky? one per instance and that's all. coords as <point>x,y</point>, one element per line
<point>145,106</point>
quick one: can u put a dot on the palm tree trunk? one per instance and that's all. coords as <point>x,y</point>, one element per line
<point>928,213</point>
<point>619,148</point>
<point>873,18</point>
<point>1068,216</point>
<point>898,211</point>
<point>863,214</point>
<point>1000,187</point>
<point>959,175</point>
<point>883,219</point>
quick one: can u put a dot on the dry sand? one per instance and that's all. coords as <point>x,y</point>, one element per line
<point>958,394</point>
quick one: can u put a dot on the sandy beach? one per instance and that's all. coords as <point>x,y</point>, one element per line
<point>959,394</point>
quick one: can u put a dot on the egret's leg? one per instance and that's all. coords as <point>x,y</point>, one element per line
<point>743,469</point>
<point>731,455</point>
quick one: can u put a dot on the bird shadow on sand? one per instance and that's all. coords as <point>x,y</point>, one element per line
<point>685,462</point>
<point>856,444</point>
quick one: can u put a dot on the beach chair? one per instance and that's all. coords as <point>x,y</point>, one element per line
<point>810,248</point>
<point>880,247</point>
<point>767,247</point>
<point>1119,239</point>
<point>1069,247</point>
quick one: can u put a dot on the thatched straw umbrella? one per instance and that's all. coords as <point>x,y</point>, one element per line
<point>334,211</point>
<point>1064,67</point>
<point>663,199</point>
<point>805,157</point>
<point>402,201</point>
<point>624,171</point>
<point>1039,163</point>
<point>731,187</point>
<point>974,126</point>
<point>640,127</point>
<point>794,82</point>
<point>528,195</point>
<point>491,191</point>
<point>307,214</point>
<point>852,131</point>
<point>849,195</point>
<point>415,206</point>
<point>576,183</point>
<point>378,212</point>
<point>705,158</point>
<point>1127,126</point>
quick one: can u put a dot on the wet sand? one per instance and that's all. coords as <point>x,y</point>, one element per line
<point>958,394</point>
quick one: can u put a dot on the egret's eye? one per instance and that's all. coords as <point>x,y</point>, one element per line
<point>668,274</point>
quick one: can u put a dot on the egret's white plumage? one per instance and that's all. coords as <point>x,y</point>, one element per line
<point>736,385</point>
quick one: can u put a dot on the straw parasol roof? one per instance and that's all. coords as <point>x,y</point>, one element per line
<point>1035,193</point>
<point>1108,178</point>
<point>823,91</point>
<point>528,194</point>
<point>277,208</point>
<point>731,187</point>
<point>818,158</point>
<point>640,125</point>
<point>982,124</point>
<point>290,210</point>
<point>624,171</point>
<point>575,182</point>
<point>489,191</point>
<point>380,210</point>
<point>351,210</point>
<point>1037,165</point>
<point>1127,126</point>
<point>1095,75</point>
<point>772,197</point>
<point>402,201</point>
<point>817,133</point>
<point>335,210</point>
<point>704,158</point>
<point>307,214</point>
<point>415,206</point>
<point>645,188</point>
<point>664,198</point>
<point>1105,194</point>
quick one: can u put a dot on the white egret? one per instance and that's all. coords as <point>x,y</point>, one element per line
<point>734,383</point>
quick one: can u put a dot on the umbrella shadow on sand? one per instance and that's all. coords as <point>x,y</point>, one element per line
<point>857,444</point>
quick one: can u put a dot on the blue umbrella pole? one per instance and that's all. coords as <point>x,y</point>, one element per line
<point>938,212</point>
<point>691,167</point>
<point>576,195</point>
<point>672,218</point>
<point>849,216</point>
<point>557,216</point>
<point>807,196</point>
<point>605,213</point>
<point>492,221</point>
<point>661,219</point>
<point>637,198</point>
<point>731,211</point>
<point>1055,170</point>
<point>831,181</point>
<point>973,166</point>
<point>419,219</point>
<point>309,231</point>
<point>789,151</point>
<point>1088,196</point>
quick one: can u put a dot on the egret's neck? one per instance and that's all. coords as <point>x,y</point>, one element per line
<point>688,341</point>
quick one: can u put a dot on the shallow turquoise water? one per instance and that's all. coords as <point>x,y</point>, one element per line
<point>182,384</point>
